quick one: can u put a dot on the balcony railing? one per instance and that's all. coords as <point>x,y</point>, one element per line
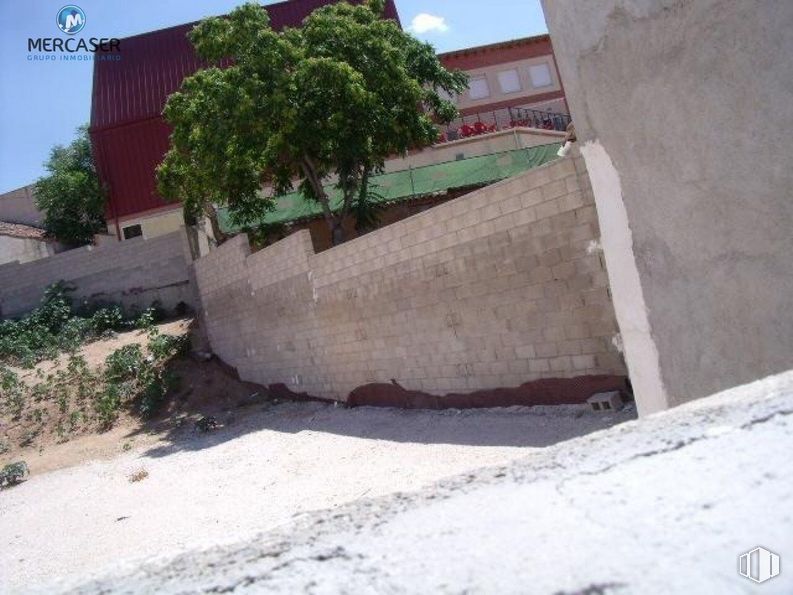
<point>502,119</point>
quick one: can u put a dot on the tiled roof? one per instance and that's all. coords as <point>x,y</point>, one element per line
<point>17,230</point>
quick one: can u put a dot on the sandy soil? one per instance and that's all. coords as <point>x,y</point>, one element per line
<point>663,505</point>
<point>203,389</point>
<point>265,466</point>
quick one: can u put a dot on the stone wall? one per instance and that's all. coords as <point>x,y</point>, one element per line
<point>493,289</point>
<point>134,273</point>
<point>684,113</point>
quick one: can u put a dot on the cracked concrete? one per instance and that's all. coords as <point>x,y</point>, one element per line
<point>664,504</point>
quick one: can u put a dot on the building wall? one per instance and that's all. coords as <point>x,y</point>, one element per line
<point>493,289</point>
<point>518,56</point>
<point>527,93</point>
<point>153,223</point>
<point>19,206</point>
<point>133,273</point>
<point>690,162</point>
<point>23,249</point>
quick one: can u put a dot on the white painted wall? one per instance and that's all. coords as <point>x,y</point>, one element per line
<point>23,249</point>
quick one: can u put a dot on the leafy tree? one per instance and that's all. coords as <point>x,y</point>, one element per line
<point>71,196</point>
<point>329,101</point>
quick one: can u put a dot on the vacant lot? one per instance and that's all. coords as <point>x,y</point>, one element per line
<point>658,506</point>
<point>265,465</point>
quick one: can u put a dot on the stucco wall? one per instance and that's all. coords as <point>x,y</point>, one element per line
<point>155,223</point>
<point>684,112</point>
<point>19,206</point>
<point>24,249</point>
<point>134,273</point>
<point>493,289</point>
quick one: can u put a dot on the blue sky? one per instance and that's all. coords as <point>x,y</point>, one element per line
<point>41,104</point>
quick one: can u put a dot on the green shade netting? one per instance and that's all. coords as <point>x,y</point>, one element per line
<point>411,183</point>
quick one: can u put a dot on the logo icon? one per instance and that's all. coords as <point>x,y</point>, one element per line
<point>759,565</point>
<point>71,19</point>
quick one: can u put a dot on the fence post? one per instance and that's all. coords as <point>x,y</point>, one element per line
<point>518,141</point>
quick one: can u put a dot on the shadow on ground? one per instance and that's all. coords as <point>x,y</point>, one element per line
<point>241,408</point>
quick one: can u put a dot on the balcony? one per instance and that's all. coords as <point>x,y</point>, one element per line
<point>501,119</point>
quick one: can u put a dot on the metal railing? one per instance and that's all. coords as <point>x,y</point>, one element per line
<point>502,119</point>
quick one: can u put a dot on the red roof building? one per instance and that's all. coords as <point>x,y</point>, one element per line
<point>128,133</point>
<point>513,84</point>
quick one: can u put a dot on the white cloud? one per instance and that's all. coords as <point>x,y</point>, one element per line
<point>426,23</point>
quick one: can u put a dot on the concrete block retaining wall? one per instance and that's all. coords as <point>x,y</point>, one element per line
<point>134,273</point>
<point>494,289</point>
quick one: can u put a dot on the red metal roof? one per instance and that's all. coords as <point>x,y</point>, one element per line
<point>128,134</point>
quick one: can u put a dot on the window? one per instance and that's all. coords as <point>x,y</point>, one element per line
<point>133,231</point>
<point>509,81</point>
<point>540,75</point>
<point>447,96</point>
<point>477,88</point>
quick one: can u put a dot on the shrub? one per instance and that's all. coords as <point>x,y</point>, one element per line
<point>13,474</point>
<point>124,363</point>
<point>11,392</point>
<point>108,404</point>
<point>57,325</point>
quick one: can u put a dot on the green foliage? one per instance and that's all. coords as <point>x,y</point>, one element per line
<point>124,363</point>
<point>11,392</point>
<point>131,375</point>
<point>13,474</point>
<point>56,326</point>
<point>338,96</point>
<point>134,376</point>
<point>162,347</point>
<point>71,195</point>
<point>108,404</point>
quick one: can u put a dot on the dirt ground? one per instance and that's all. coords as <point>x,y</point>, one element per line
<point>203,388</point>
<point>266,465</point>
<point>150,489</point>
<point>661,505</point>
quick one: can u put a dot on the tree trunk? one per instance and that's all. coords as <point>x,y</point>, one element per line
<point>337,231</point>
<point>212,215</point>
<point>334,222</point>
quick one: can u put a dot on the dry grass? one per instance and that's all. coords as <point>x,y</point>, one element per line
<point>138,475</point>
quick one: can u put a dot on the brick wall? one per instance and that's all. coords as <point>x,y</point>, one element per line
<point>134,273</point>
<point>493,289</point>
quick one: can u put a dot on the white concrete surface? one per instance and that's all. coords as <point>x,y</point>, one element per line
<point>662,505</point>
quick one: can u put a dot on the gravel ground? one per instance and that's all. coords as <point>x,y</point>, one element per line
<point>662,505</point>
<point>260,472</point>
